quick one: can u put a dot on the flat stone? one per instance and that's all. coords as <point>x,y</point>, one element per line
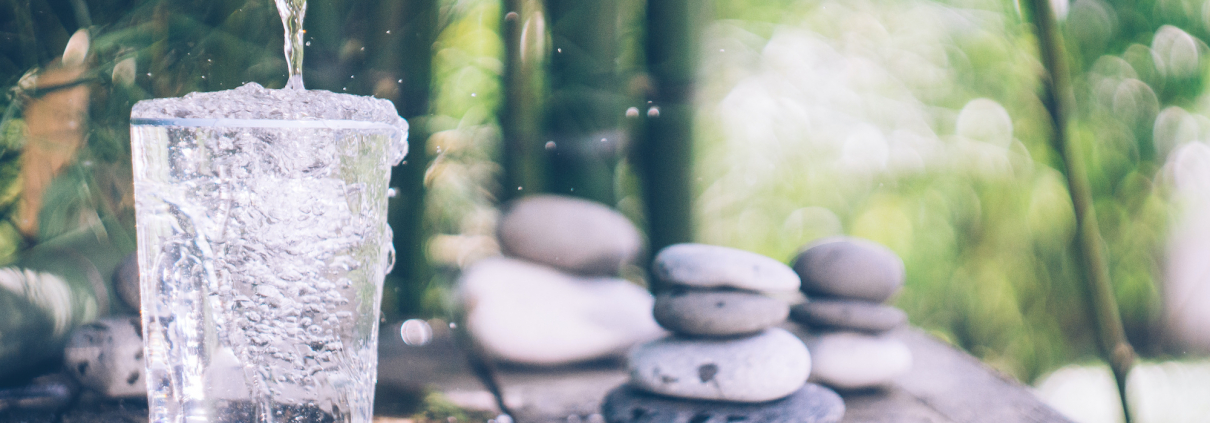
<point>847,315</point>
<point>712,266</point>
<point>849,360</point>
<point>572,234</point>
<point>126,281</point>
<point>850,268</point>
<point>527,313</point>
<point>809,404</point>
<point>717,313</point>
<point>763,367</point>
<point>107,356</point>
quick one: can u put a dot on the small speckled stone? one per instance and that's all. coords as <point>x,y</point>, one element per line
<point>712,266</point>
<point>810,404</point>
<point>761,367</point>
<point>848,315</point>
<point>717,313</point>
<point>850,268</point>
<point>848,360</point>
<point>575,235</point>
<point>107,355</point>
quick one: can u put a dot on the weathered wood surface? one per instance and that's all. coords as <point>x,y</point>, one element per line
<point>944,386</point>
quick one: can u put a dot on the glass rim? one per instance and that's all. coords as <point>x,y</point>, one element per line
<point>262,123</point>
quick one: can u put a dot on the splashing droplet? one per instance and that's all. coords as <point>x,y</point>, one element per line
<point>550,145</point>
<point>632,112</point>
<point>653,112</point>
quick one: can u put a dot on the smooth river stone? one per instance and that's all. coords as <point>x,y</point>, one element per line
<point>527,313</point>
<point>849,360</point>
<point>717,313</point>
<point>810,404</point>
<point>757,368</point>
<point>847,315</point>
<point>712,266</point>
<point>572,234</point>
<point>850,268</point>
<point>107,356</point>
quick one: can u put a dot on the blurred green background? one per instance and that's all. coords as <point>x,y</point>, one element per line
<point>762,125</point>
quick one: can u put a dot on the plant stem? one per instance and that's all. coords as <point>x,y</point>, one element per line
<point>1095,270</point>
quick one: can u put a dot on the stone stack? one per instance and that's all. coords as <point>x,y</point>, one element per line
<point>847,281</point>
<point>725,360</point>
<point>554,298</point>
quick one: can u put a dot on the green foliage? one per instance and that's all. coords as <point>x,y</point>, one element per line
<point>880,120</point>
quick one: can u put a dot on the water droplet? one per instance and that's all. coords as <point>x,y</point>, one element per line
<point>308,43</point>
<point>721,50</point>
<point>558,50</point>
<point>352,76</point>
<point>653,112</point>
<point>632,112</point>
<point>363,49</point>
<point>511,16</point>
<point>550,145</point>
<point>604,139</point>
<point>518,188</point>
<point>388,31</point>
<point>472,94</point>
<point>416,332</point>
<point>400,81</point>
<point>391,192</point>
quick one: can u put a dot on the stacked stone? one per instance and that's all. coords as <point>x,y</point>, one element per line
<point>847,281</point>
<point>725,360</point>
<point>554,297</point>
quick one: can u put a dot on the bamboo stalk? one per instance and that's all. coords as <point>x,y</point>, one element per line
<point>522,153</point>
<point>404,34</point>
<point>664,150</point>
<point>1095,270</point>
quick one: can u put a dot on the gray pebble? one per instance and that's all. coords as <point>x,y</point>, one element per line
<point>578,236</point>
<point>848,315</point>
<point>712,266</point>
<point>107,355</point>
<point>810,404</point>
<point>126,281</point>
<point>717,313</point>
<point>850,268</point>
<point>757,368</point>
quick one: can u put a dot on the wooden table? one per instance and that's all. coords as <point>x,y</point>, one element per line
<point>944,386</point>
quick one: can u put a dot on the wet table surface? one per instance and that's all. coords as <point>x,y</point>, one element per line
<point>945,385</point>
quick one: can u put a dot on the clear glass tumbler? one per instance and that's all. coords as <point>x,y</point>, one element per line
<point>262,247</point>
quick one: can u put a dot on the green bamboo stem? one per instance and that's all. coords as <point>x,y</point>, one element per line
<point>586,102</point>
<point>403,36</point>
<point>522,154</point>
<point>664,145</point>
<point>1095,270</point>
